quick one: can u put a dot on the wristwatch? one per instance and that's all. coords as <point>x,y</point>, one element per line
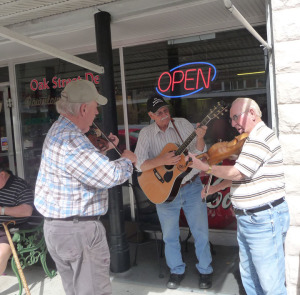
<point>2,210</point>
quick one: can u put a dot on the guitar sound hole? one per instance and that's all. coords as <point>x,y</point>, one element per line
<point>169,167</point>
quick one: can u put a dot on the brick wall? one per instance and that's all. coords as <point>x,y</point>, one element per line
<point>286,33</point>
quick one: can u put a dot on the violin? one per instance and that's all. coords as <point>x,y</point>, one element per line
<point>225,150</point>
<point>100,140</point>
<point>95,136</point>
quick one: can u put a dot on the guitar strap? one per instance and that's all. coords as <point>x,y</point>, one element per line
<point>173,122</point>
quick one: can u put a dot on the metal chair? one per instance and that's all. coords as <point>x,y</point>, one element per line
<point>31,248</point>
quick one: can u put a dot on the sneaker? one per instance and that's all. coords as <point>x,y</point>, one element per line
<point>174,280</point>
<point>205,281</point>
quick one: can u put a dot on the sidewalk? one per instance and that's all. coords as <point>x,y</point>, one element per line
<point>143,279</point>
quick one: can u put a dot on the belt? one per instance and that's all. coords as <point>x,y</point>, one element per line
<point>190,180</point>
<point>75,218</point>
<point>258,209</point>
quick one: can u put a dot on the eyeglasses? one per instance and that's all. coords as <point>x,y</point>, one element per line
<point>162,112</point>
<point>235,117</point>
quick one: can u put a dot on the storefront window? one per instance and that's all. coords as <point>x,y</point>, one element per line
<point>39,85</point>
<point>239,63</point>
<point>234,59</point>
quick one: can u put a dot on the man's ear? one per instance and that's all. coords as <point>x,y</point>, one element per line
<point>151,115</point>
<point>82,109</point>
<point>252,112</point>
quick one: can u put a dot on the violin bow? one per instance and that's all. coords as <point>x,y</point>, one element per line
<point>207,187</point>
<point>106,138</point>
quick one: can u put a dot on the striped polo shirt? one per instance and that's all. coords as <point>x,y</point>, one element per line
<point>261,162</point>
<point>15,192</point>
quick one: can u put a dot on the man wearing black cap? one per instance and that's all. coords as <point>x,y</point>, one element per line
<point>151,141</point>
<point>71,192</point>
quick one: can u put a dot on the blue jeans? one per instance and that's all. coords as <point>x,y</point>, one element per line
<point>195,212</point>
<point>261,239</point>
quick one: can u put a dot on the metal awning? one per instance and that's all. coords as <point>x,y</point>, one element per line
<point>62,28</point>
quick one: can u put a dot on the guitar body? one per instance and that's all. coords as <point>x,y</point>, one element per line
<point>162,183</point>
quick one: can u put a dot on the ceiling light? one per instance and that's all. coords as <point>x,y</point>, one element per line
<point>251,73</point>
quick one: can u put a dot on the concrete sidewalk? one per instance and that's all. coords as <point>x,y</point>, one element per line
<point>143,279</point>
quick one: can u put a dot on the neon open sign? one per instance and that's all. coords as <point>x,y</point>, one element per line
<point>190,78</point>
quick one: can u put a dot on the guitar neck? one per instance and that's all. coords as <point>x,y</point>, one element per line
<point>185,144</point>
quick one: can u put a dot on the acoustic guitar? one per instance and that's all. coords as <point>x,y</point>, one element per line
<point>162,183</point>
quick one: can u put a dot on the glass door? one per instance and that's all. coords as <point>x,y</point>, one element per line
<point>7,150</point>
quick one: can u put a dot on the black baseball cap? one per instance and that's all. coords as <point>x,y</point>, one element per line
<point>154,103</point>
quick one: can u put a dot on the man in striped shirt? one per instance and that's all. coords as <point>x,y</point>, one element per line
<point>71,192</point>
<point>152,139</point>
<point>258,198</point>
<point>16,203</point>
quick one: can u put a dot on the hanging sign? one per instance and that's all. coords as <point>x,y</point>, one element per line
<point>186,79</point>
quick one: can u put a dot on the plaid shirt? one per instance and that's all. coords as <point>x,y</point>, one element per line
<point>74,176</point>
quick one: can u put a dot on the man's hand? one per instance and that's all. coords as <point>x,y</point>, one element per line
<point>169,158</point>
<point>200,131</point>
<point>129,155</point>
<point>196,163</point>
<point>114,139</point>
<point>109,145</point>
<point>212,189</point>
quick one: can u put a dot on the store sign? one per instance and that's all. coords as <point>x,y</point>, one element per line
<point>58,83</point>
<point>190,78</point>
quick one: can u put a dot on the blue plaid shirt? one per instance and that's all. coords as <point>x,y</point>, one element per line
<point>74,176</point>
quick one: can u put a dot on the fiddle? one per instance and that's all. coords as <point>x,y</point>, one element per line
<point>96,139</point>
<point>225,150</point>
<point>219,152</point>
<point>95,136</point>
<point>100,140</point>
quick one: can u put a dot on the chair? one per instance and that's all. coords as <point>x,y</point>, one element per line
<point>147,222</point>
<point>31,248</point>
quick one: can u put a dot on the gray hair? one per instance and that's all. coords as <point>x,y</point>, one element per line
<point>247,104</point>
<point>70,108</point>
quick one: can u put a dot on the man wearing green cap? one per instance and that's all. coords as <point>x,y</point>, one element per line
<point>71,192</point>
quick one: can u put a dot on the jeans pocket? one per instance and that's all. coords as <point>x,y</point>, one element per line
<point>260,218</point>
<point>95,235</point>
<point>282,208</point>
<point>66,245</point>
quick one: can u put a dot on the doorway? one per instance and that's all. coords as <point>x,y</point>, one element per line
<point>7,150</point>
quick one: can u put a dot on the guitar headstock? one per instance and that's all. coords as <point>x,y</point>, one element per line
<point>218,110</point>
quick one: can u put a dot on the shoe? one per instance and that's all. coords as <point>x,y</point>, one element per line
<point>205,281</point>
<point>174,280</point>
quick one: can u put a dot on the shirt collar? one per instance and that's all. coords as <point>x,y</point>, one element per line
<point>157,130</point>
<point>9,181</point>
<point>256,127</point>
<point>68,123</point>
